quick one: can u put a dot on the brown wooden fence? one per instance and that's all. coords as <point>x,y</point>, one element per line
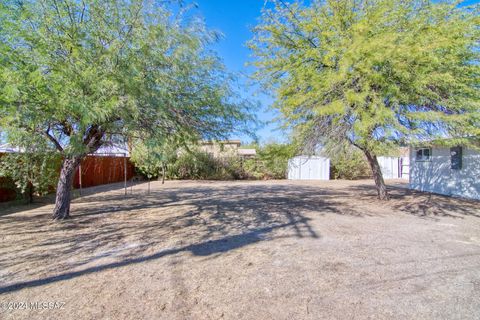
<point>96,170</point>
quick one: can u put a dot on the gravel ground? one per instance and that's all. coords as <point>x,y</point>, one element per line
<point>243,250</point>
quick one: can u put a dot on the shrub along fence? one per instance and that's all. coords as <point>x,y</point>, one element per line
<point>7,189</point>
<point>96,170</point>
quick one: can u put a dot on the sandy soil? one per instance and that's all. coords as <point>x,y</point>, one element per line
<point>243,250</point>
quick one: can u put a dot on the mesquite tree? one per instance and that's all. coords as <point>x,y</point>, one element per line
<point>82,73</point>
<point>375,73</point>
<point>151,157</point>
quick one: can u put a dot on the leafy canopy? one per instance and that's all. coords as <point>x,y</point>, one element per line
<point>375,73</point>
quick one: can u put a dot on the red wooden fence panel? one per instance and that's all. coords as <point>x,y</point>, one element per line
<point>98,170</point>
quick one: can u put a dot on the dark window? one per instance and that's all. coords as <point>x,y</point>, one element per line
<point>423,154</point>
<point>419,154</point>
<point>426,153</point>
<point>456,158</point>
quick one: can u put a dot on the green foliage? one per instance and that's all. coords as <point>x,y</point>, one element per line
<point>78,74</point>
<point>151,157</point>
<point>200,165</point>
<point>271,161</point>
<point>347,162</point>
<point>230,168</point>
<point>34,169</point>
<point>254,169</point>
<point>32,172</point>
<point>81,73</point>
<point>192,165</point>
<point>274,158</point>
<point>375,73</point>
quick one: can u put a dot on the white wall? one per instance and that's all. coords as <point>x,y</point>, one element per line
<point>438,177</point>
<point>309,168</point>
<point>394,167</point>
<point>389,167</point>
<point>405,167</point>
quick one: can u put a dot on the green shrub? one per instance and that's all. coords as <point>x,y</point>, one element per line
<point>192,165</point>
<point>230,168</point>
<point>32,172</point>
<point>254,169</point>
<point>271,163</point>
<point>349,164</point>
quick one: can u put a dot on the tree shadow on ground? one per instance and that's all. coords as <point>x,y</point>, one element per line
<point>201,249</point>
<point>418,203</point>
<point>109,230</point>
<point>16,206</point>
<point>212,220</point>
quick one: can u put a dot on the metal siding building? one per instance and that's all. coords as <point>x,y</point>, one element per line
<point>394,167</point>
<point>309,168</point>
<point>437,170</point>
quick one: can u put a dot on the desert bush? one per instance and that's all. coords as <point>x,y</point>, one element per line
<point>271,161</point>
<point>253,169</point>
<point>274,159</point>
<point>32,172</point>
<point>230,168</point>
<point>348,163</point>
<point>192,165</point>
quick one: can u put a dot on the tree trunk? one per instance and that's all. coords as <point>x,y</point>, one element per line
<point>29,193</point>
<point>163,173</point>
<point>64,188</point>
<point>377,175</point>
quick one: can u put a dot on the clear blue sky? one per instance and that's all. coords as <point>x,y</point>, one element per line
<point>234,19</point>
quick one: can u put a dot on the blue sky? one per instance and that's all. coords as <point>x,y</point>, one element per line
<point>234,19</point>
<point>469,2</point>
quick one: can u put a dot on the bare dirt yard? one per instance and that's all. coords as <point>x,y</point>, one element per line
<point>243,250</point>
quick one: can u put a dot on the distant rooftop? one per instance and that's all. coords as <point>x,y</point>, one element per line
<point>238,142</point>
<point>247,152</point>
<point>8,148</point>
<point>107,149</point>
<point>111,149</point>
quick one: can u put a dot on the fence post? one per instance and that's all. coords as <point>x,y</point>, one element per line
<point>125,172</point>
<point>80,177</point>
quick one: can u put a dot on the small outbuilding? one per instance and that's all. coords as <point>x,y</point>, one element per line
<point>394,167</point>
<point>309,168</point>
<point>397,166</point>
<point>453,171</point>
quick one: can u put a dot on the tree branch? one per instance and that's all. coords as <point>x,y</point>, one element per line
<point>53,140</point>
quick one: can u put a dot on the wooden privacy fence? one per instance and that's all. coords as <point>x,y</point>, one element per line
<point>96,170</point>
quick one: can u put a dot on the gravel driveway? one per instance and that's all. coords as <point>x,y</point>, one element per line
<point>243,250</point>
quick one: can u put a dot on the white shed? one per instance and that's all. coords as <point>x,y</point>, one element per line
<point>450,171</point>
<point>394,167</point>
<point>309,168</point>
